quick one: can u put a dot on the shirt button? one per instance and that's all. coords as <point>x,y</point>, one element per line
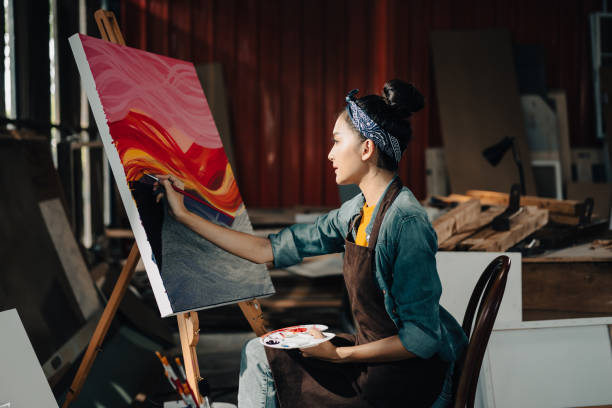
<point>394,311</point>
<point>384,292</point>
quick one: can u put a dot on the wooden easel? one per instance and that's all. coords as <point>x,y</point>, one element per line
<point>187,322</point>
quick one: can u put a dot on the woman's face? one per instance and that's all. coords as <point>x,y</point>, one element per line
<point>346,154</point>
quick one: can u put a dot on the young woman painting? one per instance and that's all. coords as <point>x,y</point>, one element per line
<point>405,345</point>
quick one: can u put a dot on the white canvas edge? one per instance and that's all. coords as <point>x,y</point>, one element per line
<point>87,80</point>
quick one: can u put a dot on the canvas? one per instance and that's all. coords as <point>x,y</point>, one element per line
<point>153,118</point>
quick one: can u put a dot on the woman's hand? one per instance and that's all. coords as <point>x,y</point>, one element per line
<point>324,351</point>
<point>175,199</point>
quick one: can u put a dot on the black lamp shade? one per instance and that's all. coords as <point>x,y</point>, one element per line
<point>495,153</point>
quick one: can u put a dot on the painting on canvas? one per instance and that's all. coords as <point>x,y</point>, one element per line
<point>153,118</point>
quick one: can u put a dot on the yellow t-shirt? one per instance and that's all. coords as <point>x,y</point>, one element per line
<point>361,238</point>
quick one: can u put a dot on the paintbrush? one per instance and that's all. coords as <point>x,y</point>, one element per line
<point>181,191</point>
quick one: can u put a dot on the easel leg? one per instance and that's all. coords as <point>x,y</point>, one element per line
<point>254,315</point>
<point>189,329</point>
<point>103,325</point>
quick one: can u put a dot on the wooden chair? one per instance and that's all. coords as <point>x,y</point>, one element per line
<point>487,296</point>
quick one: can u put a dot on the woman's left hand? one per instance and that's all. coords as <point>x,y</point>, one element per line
<point>324,351</point>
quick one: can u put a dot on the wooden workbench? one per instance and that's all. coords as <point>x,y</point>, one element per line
<point>574,282</point>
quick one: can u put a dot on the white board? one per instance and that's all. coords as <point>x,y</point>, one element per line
<point>459,272</point>
<point>22,382</point>
<point>549,367</point>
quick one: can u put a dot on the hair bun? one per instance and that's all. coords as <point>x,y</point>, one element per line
<point>403,96</point>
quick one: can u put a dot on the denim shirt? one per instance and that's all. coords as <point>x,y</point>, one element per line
<point>405,270</point>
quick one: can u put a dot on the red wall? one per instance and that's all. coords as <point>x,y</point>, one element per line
<point>288,65</point>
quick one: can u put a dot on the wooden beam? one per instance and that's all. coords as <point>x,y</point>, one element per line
<point>455,220</point>
<point>524,223</point>
<point>484,219</point>
<point>453,198</point>
<point>451,243</point>
<point>564,219</point>
<point>567,207</point>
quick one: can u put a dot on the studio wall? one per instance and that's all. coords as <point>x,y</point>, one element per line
<point>288,65</point>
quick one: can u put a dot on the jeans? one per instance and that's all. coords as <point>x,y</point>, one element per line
<point>256,384</point>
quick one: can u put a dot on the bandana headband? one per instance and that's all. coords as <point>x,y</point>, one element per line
<point>386,142</point>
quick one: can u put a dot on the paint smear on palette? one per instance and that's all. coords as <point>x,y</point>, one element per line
<point>161,124</point>
<point>295,337</point>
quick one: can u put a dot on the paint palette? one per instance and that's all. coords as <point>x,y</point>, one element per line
<point>295,337</point>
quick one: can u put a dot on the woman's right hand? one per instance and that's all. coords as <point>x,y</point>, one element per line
<point>175,199</point>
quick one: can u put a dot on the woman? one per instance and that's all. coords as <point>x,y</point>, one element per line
<point>405,345</point>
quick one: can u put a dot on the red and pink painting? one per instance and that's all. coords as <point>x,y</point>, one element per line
<point>153,118</point>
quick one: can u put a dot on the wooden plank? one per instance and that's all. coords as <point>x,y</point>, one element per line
<point>560,99</point>
<point>471,229</point>
<point>484,218</point>
<point>567,207</point>
<point>529,220</point>
<point>454,198</point>
<point>479,105</point>
<point>478,238</point>
<point>456,219</point>
<point>451,243</point>
<point>119,233</point>
<point>564,219</point>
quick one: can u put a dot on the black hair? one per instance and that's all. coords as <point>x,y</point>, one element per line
<point>392,111</point>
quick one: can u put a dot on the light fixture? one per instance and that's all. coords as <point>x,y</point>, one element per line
<point>495,153</point>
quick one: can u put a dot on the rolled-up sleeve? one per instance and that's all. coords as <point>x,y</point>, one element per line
<point>292,244</point>
<point>416,287</point>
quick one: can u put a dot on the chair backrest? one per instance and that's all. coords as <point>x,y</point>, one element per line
<point>487,296</point>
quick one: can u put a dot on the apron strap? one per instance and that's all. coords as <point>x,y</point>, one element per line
<point>392,192</point>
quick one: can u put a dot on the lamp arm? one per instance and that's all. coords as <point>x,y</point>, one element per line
<point>519,164</point>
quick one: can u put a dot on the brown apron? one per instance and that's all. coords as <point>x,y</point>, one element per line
<point>310,382</point>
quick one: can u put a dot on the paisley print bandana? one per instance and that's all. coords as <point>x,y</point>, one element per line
<point>386,142</point>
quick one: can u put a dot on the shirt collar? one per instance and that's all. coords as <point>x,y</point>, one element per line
<point>371,223</point>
